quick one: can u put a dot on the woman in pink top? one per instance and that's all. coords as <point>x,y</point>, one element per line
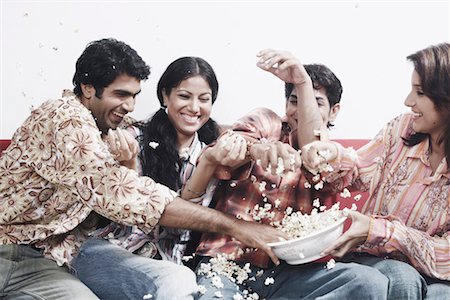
<point>404,228</point>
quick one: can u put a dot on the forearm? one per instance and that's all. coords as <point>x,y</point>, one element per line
<point>309,116</point>
<point>183,214</point>
<point>196,185</point>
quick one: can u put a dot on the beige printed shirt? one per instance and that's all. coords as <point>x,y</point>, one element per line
<point>57,171</point>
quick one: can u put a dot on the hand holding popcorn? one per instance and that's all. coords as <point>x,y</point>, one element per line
<point>123,147</point>
<point>229,150</point>
<point>276,158</point>
<point>317,155</point>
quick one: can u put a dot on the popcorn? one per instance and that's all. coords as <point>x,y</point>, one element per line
<point>307,185</point>
<point>187,257</point>
<point>233,184</point>
<point>148,296</point>
<point>277,203</point>
<point>262,186</point>
<point>318,185</point>
<point>154,145</point>
<point>217,282</point>
<point>201,289</point>
<point>218,294</point>
<point>269,280</point>
<point>316,202</point>
<point>345,193</point>
<point>296,224</point>
<point>331,264</point>
<point>238,296</point>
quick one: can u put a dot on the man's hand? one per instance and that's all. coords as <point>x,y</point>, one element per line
<point>123,147</point>
<point>271,154</point>
<point>257,235</point>
<point>354,236</point>
<point>283,65</point>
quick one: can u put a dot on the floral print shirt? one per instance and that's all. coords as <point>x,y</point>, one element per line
<point>57,171</point>
<point>409,205</point>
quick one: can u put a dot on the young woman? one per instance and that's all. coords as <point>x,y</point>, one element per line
<point>131,263</point>
<point>406,170</point>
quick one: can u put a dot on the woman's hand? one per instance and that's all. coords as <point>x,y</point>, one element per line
<point>229,150</point>
<point>276,157</point>
<point>123,147</point>
<point>318,153</point>
<point>283,65</point>
<point>353,237</point>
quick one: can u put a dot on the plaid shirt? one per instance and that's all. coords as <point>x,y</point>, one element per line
<point>240,191</point>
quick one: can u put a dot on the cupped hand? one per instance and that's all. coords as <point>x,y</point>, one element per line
<point>123,146</point>
<point>229,150</point>
<point>353,237</point>
<point>277,157</point>
<point>283,65</point>
<point>318,153</point>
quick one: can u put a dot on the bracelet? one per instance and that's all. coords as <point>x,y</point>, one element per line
<point>199,194</point>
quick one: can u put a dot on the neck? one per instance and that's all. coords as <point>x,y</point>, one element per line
<point>184,141</point>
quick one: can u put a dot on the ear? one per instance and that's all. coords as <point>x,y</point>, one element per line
<point>88,90</point>
<point>333,112</point>
<point>165,97</point>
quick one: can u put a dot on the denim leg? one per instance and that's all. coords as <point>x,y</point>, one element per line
<point>315,281</point>
<point>437,289</point>
<point>114,273</point>
<point>405,282</point>
<point>26,274</point>
<point>310,281</point>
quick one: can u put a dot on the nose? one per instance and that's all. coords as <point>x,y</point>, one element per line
<point>128,105</point>
<point>194,106</point>
<point>409,101</point>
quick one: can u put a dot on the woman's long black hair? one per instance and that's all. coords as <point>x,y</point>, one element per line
<point>432,64</point>
<point>162,163</point>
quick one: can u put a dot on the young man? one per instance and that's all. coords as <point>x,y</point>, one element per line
<point>254,194</point>
<point>58,177</point>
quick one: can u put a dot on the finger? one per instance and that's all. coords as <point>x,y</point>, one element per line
<point>336,245</point>
<point>273,159</point>
<point>243,150</point>
<point>111,139</point>
<point>272,255</point>
<point>124,148</point>
<point>235,147</point>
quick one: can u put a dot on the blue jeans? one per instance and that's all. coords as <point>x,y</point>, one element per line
<point>112,272</point>
<point>309,281</point>
<point>26,274</point>
<point>405,282</point>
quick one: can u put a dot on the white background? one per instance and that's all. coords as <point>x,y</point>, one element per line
<point>364,42</point>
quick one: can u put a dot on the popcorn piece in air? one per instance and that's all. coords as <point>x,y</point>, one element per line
<point>262,186</point>
<point>319,185</point>
<point>269,280</point>
<point>345,193</point>
<point>187,257</point>
<point>233,184</point>
<point>331,264</point>
<point>148,296</point>
<point>154,145</point>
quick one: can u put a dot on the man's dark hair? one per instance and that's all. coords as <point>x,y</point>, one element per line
<point>103,61</point>
<point>321,76</point>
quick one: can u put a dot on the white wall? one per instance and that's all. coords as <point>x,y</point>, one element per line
<point>364,42</point>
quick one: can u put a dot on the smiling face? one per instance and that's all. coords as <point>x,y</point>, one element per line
<point>327,113</point>
<point>189,106</point>
<point>426,118</point>
<point>117,100</point>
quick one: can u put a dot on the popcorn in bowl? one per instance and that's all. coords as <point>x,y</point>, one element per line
<point>308,235</point>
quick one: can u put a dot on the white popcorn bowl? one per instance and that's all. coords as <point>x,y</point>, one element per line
<point>308,248</point>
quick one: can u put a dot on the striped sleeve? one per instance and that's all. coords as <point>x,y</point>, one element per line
<point>429,254</point>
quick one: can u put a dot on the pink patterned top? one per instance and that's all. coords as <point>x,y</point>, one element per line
<point>408,204</point>
<point>57,171</point>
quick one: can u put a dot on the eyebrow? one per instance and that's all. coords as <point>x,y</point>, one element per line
<point>125,92</point>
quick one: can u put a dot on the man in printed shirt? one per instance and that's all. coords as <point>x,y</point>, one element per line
<point>58,175</point>
<point>253,194</point>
